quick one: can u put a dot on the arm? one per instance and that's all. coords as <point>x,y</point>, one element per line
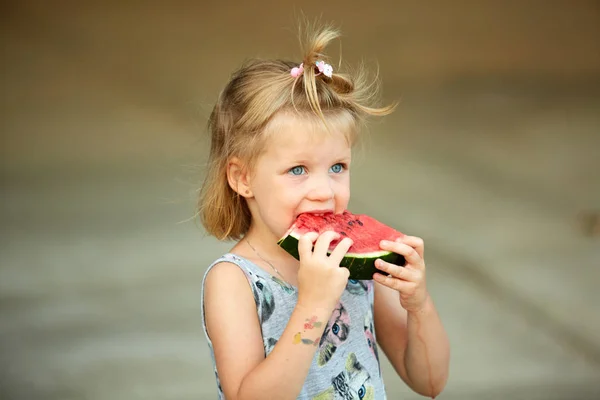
<point>415,342</point>
<point>427,354</point>
<point>235,332</point>
<point>407,324</point>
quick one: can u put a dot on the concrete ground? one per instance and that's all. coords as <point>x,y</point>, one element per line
<point>101,261</point>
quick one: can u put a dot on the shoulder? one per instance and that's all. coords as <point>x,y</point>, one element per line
<point>222,269</point>
<point>227,295</point>
<point>226,281</point>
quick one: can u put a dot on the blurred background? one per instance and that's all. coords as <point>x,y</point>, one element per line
<point>493,157</point>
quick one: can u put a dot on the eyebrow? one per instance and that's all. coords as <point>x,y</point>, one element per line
<point>306,161</point>
<point>302,155</point>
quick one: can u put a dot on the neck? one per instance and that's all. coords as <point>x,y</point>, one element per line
<point>269,253</point>
<point>265,243</point>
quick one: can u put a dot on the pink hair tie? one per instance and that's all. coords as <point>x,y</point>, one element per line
<point>321,66</point>
<point>324,68</point>
<point>297,71</point>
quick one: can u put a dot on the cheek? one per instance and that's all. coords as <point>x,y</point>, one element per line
<point>346,193</point>
<point>342,191</point>
<point>274,192</point>
<point>282,202</point>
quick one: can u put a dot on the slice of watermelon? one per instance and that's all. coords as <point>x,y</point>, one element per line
<point>365,232</point>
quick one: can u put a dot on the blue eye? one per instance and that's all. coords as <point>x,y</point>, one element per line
<point>361,392</point>
<point>337,168</point>
<point>297,170</point>
<point>335,328</point>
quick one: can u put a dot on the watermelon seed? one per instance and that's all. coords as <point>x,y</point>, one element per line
<point>343,233</point>
<point>359,222</point>
<point>350,223</point>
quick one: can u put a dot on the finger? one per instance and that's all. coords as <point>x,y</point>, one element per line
<point>340,250</point>
<point>410,254</point>
<point>305,244</point>
<point>323,242</point>
<point>388,268</point>
<point>415,242</point>
<point>406,274</point>
<point>394,283</point>
<point>345,272</point>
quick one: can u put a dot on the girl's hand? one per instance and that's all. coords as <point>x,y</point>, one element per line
<point>409,280</point>
<point>321,281</point>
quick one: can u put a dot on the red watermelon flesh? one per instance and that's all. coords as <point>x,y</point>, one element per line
<point>366,233</point>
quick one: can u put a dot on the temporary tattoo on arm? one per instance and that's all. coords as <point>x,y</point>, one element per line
<point>312,323</point>
<point>308,324</point>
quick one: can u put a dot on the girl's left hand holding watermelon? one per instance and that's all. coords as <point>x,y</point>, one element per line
<point>410,333</point>
<point>408,280</point>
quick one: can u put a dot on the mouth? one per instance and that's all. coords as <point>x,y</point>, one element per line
<point>317,212</point>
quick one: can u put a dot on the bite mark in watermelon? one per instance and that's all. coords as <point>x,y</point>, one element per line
<point>366,233</point>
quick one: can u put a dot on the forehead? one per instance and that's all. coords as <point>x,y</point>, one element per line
<point>295,131</point>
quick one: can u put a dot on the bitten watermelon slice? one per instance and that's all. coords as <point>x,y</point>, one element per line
<point>365,232</point>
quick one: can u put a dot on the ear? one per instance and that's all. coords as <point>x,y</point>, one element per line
<point>238,177</point>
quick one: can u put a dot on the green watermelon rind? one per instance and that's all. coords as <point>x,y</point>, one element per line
<point>361,266</point>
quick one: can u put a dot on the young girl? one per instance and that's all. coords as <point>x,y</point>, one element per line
<point>279,328</point>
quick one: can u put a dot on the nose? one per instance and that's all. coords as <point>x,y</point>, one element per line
<point>321,188</point>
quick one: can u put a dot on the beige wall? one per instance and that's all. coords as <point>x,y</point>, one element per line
<point>94,82</point>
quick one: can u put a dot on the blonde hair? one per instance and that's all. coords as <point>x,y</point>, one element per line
<point>255,94</point>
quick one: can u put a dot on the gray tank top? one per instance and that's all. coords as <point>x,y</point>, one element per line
<point>346,364</point>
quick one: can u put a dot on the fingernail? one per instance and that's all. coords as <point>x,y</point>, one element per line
<point>384,243</point>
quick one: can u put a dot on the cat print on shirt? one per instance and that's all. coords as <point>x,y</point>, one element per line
<point>336,332</point>
<point>283,285</point>
<point>356,287</point>
<point>263,296</point>
<point>370,335</point>
<point>269,345</point>
<point>354,383</point>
